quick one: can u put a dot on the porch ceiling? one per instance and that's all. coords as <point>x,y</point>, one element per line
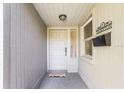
<point>75,12</point>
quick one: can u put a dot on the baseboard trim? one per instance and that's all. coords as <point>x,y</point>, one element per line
<point>86,80</point>
<point>39,81</point>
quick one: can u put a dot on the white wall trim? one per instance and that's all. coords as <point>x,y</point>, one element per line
<point>86,80</point>
<point>48,60</point>
<point>38,82</point>
<point>88,21</point>
<point>70,27</point>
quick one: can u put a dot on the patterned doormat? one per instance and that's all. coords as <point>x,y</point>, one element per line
<point>57,74</point>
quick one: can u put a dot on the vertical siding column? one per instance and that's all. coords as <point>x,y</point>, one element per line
<point>6,44</point>
<point>25,51</point>
<point>13,46</point>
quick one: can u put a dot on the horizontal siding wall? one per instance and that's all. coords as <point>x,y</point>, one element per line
<point>28,46</point>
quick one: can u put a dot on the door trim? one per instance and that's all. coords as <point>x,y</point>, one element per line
<point>68,45</point>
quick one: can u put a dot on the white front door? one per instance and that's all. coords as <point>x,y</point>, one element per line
<point>58,49</point>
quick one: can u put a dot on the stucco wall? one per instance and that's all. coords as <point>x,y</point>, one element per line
<point>25,46</point>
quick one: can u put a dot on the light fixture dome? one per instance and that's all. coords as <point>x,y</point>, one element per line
<point>62,17</point>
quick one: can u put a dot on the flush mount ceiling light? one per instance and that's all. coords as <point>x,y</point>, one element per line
<point>62,17</point>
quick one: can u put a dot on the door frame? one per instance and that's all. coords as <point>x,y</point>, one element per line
<point>68,45</point>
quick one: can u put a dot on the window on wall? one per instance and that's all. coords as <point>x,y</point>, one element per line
<point>88,47</point>
<point>87,38</point>
<point>88,30</point>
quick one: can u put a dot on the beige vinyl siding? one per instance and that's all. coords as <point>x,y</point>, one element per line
<point>106,70</point>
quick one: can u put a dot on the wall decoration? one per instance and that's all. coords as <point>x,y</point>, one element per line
<point>104,26</point>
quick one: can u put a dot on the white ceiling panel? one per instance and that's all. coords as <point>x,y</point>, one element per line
<point>75,12</point>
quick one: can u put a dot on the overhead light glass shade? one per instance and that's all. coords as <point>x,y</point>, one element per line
<point>62,17</point>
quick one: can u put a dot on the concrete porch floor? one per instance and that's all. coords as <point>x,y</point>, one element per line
<point>71,81</point>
